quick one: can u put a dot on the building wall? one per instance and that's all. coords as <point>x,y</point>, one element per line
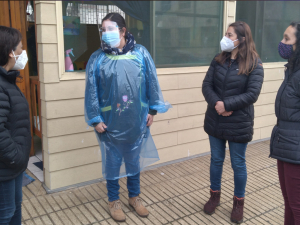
<point>71,151</point>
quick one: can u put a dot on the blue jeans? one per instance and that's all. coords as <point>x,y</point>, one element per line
<point>133,186</point>
<point>10,201</point>
<point>238,163</point>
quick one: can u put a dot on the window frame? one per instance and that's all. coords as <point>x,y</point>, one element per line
<point>64,76</point>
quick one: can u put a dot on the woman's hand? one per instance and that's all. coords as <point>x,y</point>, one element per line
<point>100,128</point>
<point>227,113</point>
<point>220,108</point>
<point>149,120</point>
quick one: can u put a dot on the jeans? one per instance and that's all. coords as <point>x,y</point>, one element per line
<point>133,186</point>
<point>289,178</point>
<point>238,163</point>
<point>10,201</point>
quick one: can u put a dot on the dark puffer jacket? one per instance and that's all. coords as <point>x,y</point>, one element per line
<point>285,138</point>
<point>15,136</point>
<point>238,92</point>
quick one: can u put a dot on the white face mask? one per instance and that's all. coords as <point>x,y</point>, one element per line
<point>227,45</point>
<point>21,61</point>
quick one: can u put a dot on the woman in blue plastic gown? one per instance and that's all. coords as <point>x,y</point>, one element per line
<point>121,98</point>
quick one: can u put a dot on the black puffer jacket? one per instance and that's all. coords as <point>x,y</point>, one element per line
<point>285,138</point>
<point>238,92</point>
<point>15,137</point>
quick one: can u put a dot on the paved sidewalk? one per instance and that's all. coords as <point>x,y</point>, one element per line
<point>174,194</point>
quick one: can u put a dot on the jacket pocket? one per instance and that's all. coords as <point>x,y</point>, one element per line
<point>273,136</point>
<point>246,113</point>
<point>286,140</point>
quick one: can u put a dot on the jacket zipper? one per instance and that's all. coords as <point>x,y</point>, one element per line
<point>228,70</point>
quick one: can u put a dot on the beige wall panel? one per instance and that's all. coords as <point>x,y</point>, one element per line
<point>75,175</point>
<point>168,82</point>
<point>45,143</point>
<point>257,134</point>
<point>190,80</point>
<point>264,121</point>
<point>230,20</point>
<point>69,125</point>
<point>65,90</point>
<point>191,135</point>
<point>171,114</point>
<point>165,140</point>
<point>231,8</point>
<point>271,86</point>
<point>183,95</point>
<point>72,141</point>
<point>46,163</point>
<point>191,109</point>
<point>49,72</point>
<point>263,110</point>
<point>183,151</point>
<point>65,108</point>
<point>73,125</point>
<point>44,127</point>
<point>184,123</point>
<point>47,178</point>
<point>266,132</point>
<point>47,53</point>
<point>75,158</point>
<point>274,74</point>
<point>42,91</point>
<point>267,98</point>
<point>46,34</point>
<point>45,13</point>
<point>43,109</point>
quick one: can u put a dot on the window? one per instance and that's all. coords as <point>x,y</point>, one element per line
<point>268,21</point>
<point>185,4</point>
<point>175,33</point>
<point>194,32</point>
<point>81,34</point>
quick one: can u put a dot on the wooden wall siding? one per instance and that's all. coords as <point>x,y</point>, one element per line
<point>71,151</point>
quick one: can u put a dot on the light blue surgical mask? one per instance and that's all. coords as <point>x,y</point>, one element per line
<point>111,38</point>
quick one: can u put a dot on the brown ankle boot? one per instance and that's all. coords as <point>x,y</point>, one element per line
<point>213,202</point>
<point>238,210</point>
<point>116,211</point>
<point>137,204</point>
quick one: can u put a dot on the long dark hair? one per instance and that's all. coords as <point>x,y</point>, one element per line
<point>9,40</point>
<point>294,60</point>
<point>117,18</point>
<point>247,55</point>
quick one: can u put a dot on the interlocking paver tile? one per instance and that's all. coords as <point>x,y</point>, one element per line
<point>59,201</point>
<point>169,210</point>
<point>25,214</point>
<point>72,217</point>
<point>67,200</point>
<point>80,215</point>
<point>174,194</point>
<point>74,198</point>
<point>29,222</point>
<point>55,219</point>
<point>47,220</point>
<point>62,216</point>
<point>101,210</point>
<point>45,204</point>
<point>52,202</point>
<point>30,209</point>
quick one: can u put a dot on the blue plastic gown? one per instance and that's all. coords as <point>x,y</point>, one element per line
<point>120,89</point>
